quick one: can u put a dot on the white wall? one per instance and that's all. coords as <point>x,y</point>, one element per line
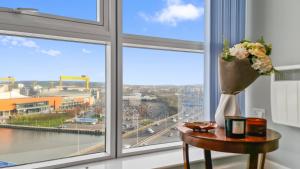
<point>279,22</point>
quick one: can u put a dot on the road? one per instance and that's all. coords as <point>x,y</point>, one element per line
<point>165,132</point>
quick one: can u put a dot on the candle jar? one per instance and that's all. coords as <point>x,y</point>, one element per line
<point>235,126</point>
<point>256,127</point>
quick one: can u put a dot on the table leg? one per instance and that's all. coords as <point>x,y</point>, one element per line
<point>186,156</point>
<point>208,162</point>
<point>253,161</point>
<point>262,160</point>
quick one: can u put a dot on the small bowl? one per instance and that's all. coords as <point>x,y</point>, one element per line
<point>203,126</point>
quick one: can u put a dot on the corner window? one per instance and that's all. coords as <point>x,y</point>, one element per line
<point>73,88</point>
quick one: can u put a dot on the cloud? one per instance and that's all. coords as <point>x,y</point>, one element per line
<point>86,51</point>
<point>175,11</point>
<point>13,41</point>
<point>51,52</point>
<point>18,41</point>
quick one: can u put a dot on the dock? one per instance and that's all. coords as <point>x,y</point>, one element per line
<point>52,129</point>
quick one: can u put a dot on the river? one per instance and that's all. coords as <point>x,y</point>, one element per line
<point>27,146</point>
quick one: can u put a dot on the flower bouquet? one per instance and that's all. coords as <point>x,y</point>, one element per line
<point>239,66</point>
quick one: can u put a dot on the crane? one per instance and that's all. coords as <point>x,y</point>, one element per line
<point>83,78</point>
<point>10,79</point>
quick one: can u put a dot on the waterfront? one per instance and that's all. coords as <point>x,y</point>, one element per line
<point>27,146</point>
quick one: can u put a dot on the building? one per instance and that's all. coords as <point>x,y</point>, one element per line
<point>30,105</point>
<point>9,107</point>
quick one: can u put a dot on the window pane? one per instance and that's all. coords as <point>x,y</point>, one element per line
<point>80,9</point>
<point>161,88</point>
<point>52,99</point>
<point>177,19</point>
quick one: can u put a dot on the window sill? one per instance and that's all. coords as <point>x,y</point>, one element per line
<point>162,159</point>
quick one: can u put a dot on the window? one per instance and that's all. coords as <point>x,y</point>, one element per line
<point>166,89</point>
<point>82,81</point>
<point>60,8</point>
<point>57,89</point>
<point>162,72</point>
<point>176,19</point>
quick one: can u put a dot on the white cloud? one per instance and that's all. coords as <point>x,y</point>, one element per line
<point>86,51</point>
<point>30,44</point>
<point>175,11</point>
<point>51,52</point>
<point>18,41</point>
<point>13,41</point>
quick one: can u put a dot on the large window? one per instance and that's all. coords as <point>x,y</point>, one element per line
<point>97,79</point>
<point>162,71</point>
<point>166,89</point>
<point>52,99</point>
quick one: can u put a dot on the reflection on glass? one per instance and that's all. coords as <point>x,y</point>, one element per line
<point>52,99</point>
<point>69,9</point>
<point>161,89</point>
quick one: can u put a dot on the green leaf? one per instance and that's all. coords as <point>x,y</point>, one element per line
<point>228,58</point>
<point>261,40</point>
<point>226,44</point>
<point>245,40</point>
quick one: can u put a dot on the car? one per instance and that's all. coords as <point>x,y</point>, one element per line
<point>150,130</point>
<point>174,120</point>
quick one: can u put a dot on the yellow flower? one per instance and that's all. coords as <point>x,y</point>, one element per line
<point>245,44</point>
<point>258,52</point>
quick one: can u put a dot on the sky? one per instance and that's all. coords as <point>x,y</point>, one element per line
<point>42,60</point>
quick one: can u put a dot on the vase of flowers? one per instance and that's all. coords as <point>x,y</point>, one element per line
<point>239,66</point>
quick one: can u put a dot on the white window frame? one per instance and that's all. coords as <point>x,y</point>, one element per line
<point>60,28</point>
<point>147,42</point>
<point>40,23</point>
<point>35,12</point>
<point>110,34</point>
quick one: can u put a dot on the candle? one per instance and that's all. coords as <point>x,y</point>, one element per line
<point>256,127</point>
<point>235,126</point>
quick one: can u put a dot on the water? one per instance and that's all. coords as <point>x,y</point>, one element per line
<point>26,146</point>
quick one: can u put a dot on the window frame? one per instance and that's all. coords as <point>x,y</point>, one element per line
<point>110,118</point>
<point>110,34</point>
<point>99,15</point>
<point>10,25</point>
<point>49,24</point>
<point>156,43</point>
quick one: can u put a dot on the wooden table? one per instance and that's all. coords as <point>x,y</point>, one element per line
<point>217,141</point>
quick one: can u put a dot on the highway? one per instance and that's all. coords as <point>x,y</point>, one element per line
<point>164,131</point>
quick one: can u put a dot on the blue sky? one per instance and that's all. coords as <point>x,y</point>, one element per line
<point>57,7</point>
<point>39,59</point>
<point>178,19</point>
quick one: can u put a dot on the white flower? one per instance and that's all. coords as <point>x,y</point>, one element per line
<point>263,65</point>
<point>239,51</point>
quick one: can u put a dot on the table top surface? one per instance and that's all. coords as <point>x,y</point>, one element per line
<point>219,135</point>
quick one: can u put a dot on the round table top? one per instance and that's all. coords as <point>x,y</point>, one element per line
<point>216,140</point>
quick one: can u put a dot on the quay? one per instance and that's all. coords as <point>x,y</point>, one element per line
<point>52,129</point>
